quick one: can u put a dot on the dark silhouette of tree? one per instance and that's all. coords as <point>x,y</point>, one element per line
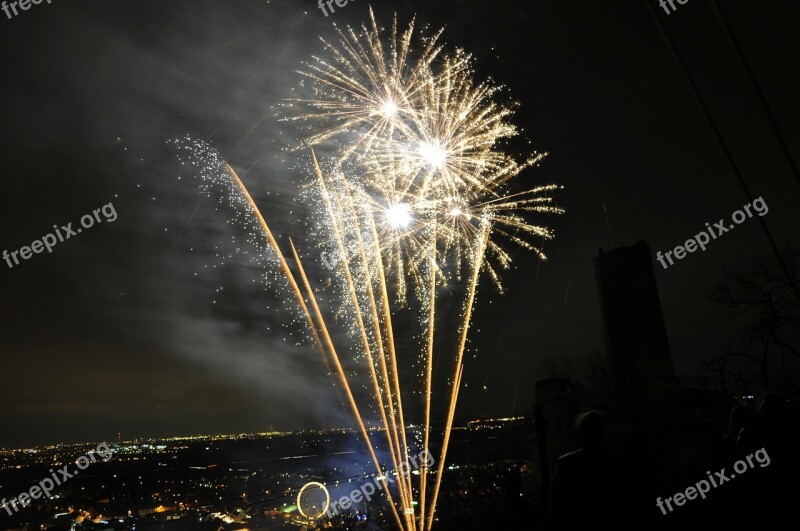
<point>759,290</point>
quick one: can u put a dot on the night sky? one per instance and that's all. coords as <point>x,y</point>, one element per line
<point>137,327</point>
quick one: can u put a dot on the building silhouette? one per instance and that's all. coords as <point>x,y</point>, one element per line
<point>636,347</point>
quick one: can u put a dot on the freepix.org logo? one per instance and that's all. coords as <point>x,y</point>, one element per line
<point>700,240</point>
<point>24,5</point>
<point>59,476</point>
<point>702,487</point>
<point>48,241</point>
<point>329,3</point>
<point>369,489</point>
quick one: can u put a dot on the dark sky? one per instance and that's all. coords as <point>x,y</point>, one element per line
<point>139,326</point>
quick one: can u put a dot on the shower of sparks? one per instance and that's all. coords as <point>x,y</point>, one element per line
<point>422,148</point>
<point>416,197</point>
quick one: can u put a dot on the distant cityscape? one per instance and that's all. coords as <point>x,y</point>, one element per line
<point>250,481</point>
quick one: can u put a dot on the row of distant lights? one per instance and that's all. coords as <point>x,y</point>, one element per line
<point>400,216</point>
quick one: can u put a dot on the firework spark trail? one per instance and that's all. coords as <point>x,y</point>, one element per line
<point>343,378</point>
<point>301,301</point>
<point>394,443</point>
<point>274,244</point>
<point>428,376</point>
<point>450,416</point>
<point>387,319</point>
<point>336,220</point>
<point>376,260</point>
<point>473,286</point>
<point>399,425</point>
<point>339,221</point>
<point>380,344</point>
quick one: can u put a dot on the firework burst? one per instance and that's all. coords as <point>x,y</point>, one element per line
<point>422,150</point>
<point>416,197</point>
<point>419,195</point>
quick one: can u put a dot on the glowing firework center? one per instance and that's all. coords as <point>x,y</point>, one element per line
<point>433,154</point>
<point>389,109</point>
<point>399,216</point>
